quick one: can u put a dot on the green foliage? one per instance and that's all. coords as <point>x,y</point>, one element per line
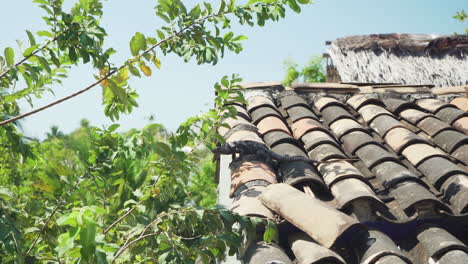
<point>313,71</point>
<point>462,17</point>
<point>98,196</point>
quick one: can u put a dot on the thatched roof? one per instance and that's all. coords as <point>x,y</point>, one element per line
<point>402,58</point>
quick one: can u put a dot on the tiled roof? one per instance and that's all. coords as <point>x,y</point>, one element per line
<point>403,200</point>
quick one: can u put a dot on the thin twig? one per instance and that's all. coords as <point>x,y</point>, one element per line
<point>121,250</point>
<point>105,76</point>
<point>43,229</point>
<point>29,56</point>
<point>122,217</point>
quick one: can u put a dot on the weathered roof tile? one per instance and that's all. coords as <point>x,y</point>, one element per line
<point>263,112</point>
<point>292,100</point>
<point>344,126</point>
<point>449,140</point>
<point>324,152</point>
<point>461,103</point>
<point>308,251</point>
<point>271,123</point>
<point>246,171</point>
<point>355,140</point>
<point>384,123</point>
<point>417,153</point>
<point>400,138</point>
<point>437,241</point>
<point>299,112</point>
<point>438,169</point>
<point>334,113</point>
<point>461,124</point>
<point>450,114</point>
<point>305,125</point>
<point>314,138</point>
<point>372,155</point>
<point>369,112</point>
<point>432,105</point>
<point>294,205</point>
<point>432,126</point>
<point>246,203</point>
<point>323,102</point>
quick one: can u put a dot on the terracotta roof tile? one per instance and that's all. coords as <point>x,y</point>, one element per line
<point>255,102</point>
<point>410,194</point>
<point>413,115</point>
<point>455,189</point>
<point>450,114</point>
<point>461,153</point>
<point>334,113</point>
<point>397,105</point>
<point>392,174</point>
<point>271,123</point>
<point>336,171</point>
<point>244,135</point>
<point>246,203</point>
<point>400,138</point>
<point>384,123</point>
<point>288,149</point>
<point>454,257</point>
<point>313,138</point>
<point>263,112</point>
<point>344,126</point>
<point>303,126</point>
<point>438,169</point>
<point>294,205</point>
<point>299,172</point>
<point>246,171</point>
<point>380,246</point>
<point>417,153</point>
<point>432,105</point>
<point>299,112</point>
<point>359,100</point>
<point>432,126</point>
<point>324,152</point>
<point>262,252</point>
<point>449,140</point>
<point>232,122</point>
<point>349,190</point>
<point>355,140</point>
<point>462,124</point>
<point>372,155</point>
<point>289,101</point>
<point>369,112</point>
<point>276,137</point>
<point>437,241</point>
<point>461,103</point>
<point>323,102</point>
<point>308,251</point>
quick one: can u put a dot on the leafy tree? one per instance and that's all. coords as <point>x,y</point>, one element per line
<point>313,71</point>
<point>97,196</point>
<point>462,17</point>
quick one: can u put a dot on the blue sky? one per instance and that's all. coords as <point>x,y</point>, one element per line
<point>179,89</point>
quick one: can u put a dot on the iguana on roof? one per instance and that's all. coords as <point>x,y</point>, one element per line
<point>248,147</point>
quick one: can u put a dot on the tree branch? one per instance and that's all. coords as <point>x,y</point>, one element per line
<point>42,229</point>
<point>105,76</point>
<point>29,56</point>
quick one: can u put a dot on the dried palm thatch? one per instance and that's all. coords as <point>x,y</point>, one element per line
<point>402,58</point>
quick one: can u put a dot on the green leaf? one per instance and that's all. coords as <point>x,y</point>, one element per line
<point>45,34</point>
<point>271,232</point>
<point>9,56</point>
<point>32,40</point>
<point>137,43</point>
<point>294,6</point>
<point>239,38</point>
<point>44,64</point>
